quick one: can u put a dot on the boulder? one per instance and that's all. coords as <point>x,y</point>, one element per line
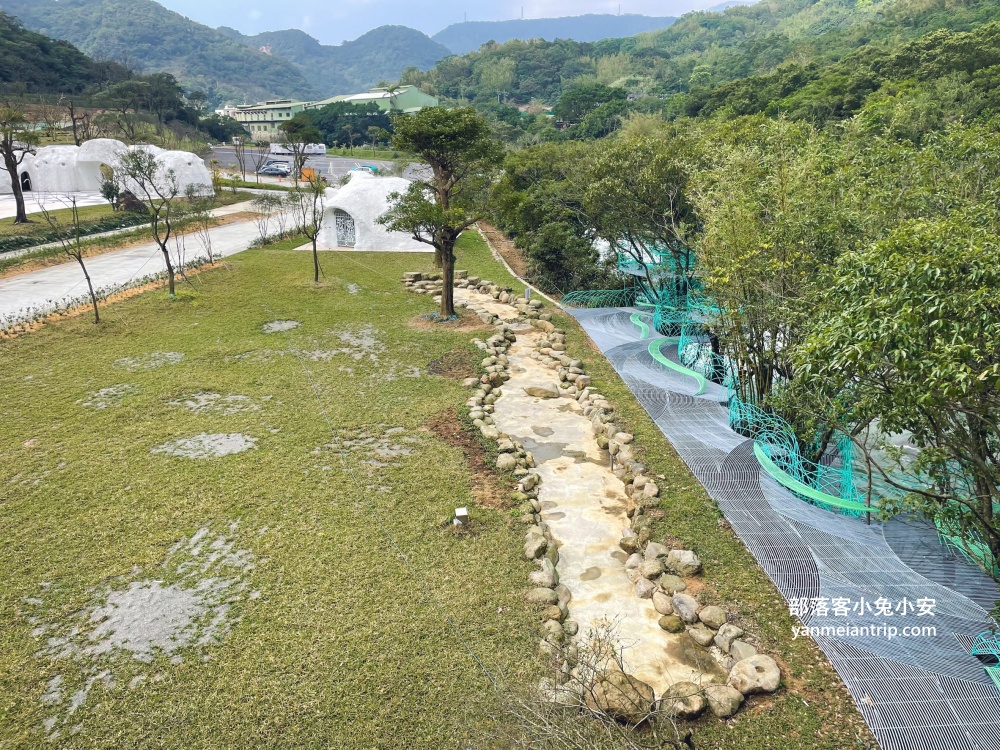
<point>629,543</point>
<point>701,635</point>
<point>683,562</point>
<point>506,462</point>
<point>723,700</point>
<point>683,700</point>
<point>644,588</point>
<point>506,446</point>
<point>686,607</point>
<point>622,697</point>
<point>714,617</point>
<point>741,650</point>
<point>758,674</point>
<point>543,596</point>
<point>552,612</point>
<point>541,577</point>
<point>655,550</point>
<point>542,391</point>
<point>634,561</point>
<point>571,627</point>
<point>661,603</point>
<point>671,623</point>
<point>726,635</point>
<point>671,584</point>
<point>490,432</point>
<point>651,568</point>
<point>534,546</point>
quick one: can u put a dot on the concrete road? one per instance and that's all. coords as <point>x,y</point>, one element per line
<point>47,288</point>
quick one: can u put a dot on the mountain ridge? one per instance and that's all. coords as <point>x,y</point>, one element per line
<point>468,36</point>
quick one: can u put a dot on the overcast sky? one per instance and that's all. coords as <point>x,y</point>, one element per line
<point>334,22</point>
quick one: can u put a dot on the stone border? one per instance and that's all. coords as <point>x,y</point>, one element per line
<point>656,571</point>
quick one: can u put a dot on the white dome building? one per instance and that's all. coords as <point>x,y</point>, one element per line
<point>351,213</point>
<point>77,169</point>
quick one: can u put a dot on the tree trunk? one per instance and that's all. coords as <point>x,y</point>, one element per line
<point>315,262</point>
<point>448,279</point>
<point>170,270</point>
<point>90,287</point>
<point>438,263</point>
<point>10,163</point>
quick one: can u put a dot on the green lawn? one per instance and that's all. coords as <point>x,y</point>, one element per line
<point>63,216</point>
<point>333,641</point>
<point>343,648</point>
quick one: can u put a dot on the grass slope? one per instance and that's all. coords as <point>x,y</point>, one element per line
<point>343,648</point>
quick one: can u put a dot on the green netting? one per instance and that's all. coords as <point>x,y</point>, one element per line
<point>986,648</point>
<point>803,490</point>
<point>654,350</point>
<point>600,298</point>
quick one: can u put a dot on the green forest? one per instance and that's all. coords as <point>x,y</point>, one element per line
<point>827,227</point>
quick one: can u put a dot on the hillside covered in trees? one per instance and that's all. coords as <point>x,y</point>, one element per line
<point>33,63</point>
<point>465,37</point>
<point>380,55</point>
<point>146,36</point>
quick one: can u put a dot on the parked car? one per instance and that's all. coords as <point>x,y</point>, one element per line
<point>275,170</point>
<point>365,168</point>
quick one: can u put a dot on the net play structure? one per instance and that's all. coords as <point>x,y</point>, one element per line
<point>812,524</point>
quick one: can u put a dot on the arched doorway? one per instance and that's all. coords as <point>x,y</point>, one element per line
<point>345,228</point>
<point>25,182</point>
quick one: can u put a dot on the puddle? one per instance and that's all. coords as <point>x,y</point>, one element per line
<point>590,574</point>
<point>543,431</point>
<point>544,451</point>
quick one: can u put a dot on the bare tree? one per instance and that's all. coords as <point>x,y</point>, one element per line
<point>240,149</point>
<point>351,135</point>
<point>266,206</point>
<point>307,208</point>
<point>80,122</point>
<point>200,215</point>
<point>72,247</point>
<point>17,140</point>
<point>51,116</point>
<point>258,155</point>
<point>140,172</point>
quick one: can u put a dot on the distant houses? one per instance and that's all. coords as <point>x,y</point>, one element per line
<point>264,119</point>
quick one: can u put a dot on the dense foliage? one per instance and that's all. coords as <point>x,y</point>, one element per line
<point>345,124</point>
<point>33,63</point>
<point>465,37</point>
<point>144,35</point>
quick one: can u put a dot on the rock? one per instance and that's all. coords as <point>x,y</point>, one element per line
<point>571,627</point>
<point>683,700</point>
<point>651,490</point>
<point>506,462</point>
<point>714,617</point>
<point>629,544</point>
<point>651,568</point>
<point>530,482</point>
<point>639,482</point>
<point>583,381</point>
<point>534,546</point>
<point>683,562</point>
<point>564,594</point>
<point>541,577</point>
<point>505,446</point>
<point>672,623</point>
<point>621,697</point>
<point>490,432</point>
<point>671,583</point>
<point>726,635</point>
<point>470,382</point>
<point>541,595</point>
<point>634,561</point>
<point>552,612</point>
<point>623,437</point>
<point>655,550</point>
<point>644,588</point>
<point>723,700</point>
<point>553,632</point>
<point>758,674</point>
<point>701,635</point>
<point>661,603</point>
<point>741,650</point>
<point>686,607</point>
<point>542,391</point>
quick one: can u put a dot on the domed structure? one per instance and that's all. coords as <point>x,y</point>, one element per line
<point>352,211</point>
<point>78,169</point>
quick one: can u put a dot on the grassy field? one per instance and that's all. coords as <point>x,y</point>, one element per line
<point>324,636</point>
<point>62,216</point>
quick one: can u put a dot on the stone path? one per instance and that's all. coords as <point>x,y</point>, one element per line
<point>584,505</point>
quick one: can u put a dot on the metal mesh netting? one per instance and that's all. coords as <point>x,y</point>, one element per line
<point>926,691</point>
